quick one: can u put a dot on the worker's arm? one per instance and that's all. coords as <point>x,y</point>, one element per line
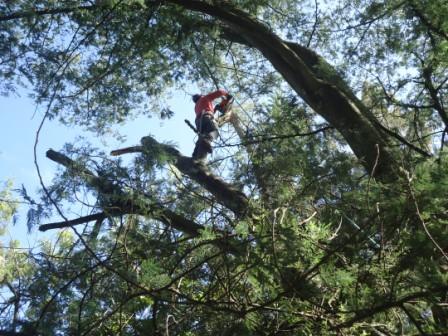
<point>216,94</point>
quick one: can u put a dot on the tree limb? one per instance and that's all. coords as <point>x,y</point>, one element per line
<point>366,313</point>
<point>404,141</point>
<point>224,192</point>
<point>122,203</point>
<point>80,220</point>
<point>119,202</point>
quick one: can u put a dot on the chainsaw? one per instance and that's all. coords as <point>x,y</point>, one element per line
<point>225,105</point>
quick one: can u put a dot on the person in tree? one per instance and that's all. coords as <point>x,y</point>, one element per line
<point>205,122</point>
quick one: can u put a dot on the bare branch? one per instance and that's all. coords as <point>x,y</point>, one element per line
<point>127,150</point>
<point>279,137</point>
<point>80,220</point>
<point>403,140</point>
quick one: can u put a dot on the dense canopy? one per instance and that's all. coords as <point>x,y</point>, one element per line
<point>323,210</point>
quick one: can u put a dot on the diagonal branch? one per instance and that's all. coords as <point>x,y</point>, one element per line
<point>120,203</point>
<point>224,192</point>
<point>80,220</point>
<point>314,80</point>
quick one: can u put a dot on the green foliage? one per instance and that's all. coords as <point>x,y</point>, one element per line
<point>153,275</point>
<point>8,207</point>
<point>324,248</point>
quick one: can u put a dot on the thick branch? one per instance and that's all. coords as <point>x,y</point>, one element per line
<point>127,150</point>
<point>80,220</point>
<point>123,203</point>
<point>225,193</point>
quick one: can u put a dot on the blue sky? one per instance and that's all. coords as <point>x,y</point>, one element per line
<point>19,120</point>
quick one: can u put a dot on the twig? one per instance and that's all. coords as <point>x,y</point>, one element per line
<point>422,221</point>
<point>167,323</point>
<point>278,137</point>
<point>316,22</point>
<point>308,219</point>
<point>335,234</point>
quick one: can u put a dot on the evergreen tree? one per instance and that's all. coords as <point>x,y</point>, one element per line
<point>325,213</point>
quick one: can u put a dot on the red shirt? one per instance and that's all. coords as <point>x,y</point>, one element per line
<point>205,103</point>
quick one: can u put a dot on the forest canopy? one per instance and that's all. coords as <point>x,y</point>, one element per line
<point>323,210</point>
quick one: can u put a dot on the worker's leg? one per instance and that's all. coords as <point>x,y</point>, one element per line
<point>208,131</point>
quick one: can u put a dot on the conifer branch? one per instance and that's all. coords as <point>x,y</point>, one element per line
<point>366,313</point>
<point>121,203</point>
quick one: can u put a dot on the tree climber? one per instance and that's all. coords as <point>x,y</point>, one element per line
<point>206,125</point>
